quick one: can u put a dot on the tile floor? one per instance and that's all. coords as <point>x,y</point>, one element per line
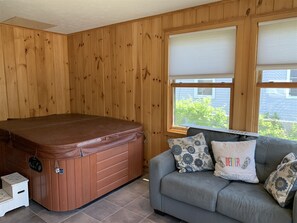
<point>128,204</point>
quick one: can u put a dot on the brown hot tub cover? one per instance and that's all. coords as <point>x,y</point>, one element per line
<point>68,135</point>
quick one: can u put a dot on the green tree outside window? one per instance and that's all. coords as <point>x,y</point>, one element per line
<point>201,112</point>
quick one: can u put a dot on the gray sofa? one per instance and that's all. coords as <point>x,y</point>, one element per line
<point>203,197</point>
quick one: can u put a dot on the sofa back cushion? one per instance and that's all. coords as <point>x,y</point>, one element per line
<point>269,151</point>
<point>211,135</point>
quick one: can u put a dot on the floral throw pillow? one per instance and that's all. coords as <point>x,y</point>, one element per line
<point>282,183</point>
<point>235,160</point>
<point>191,153</point>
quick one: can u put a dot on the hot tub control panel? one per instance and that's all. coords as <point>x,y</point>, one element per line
<point>35,164</point>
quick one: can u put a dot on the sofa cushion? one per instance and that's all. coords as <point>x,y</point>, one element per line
<point>235,160</point>
<point>191,153</point>
<point>199,189</point>
<point>282,183</point>
<point>269,153</point>
<point>250,203</point>
<point>211,135</point>
<point>214,135</point>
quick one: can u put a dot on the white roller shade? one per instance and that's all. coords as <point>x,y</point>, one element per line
<point>277,44</point>
<point>202,54</point>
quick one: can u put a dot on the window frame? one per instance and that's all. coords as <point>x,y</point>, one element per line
<point>171,85</point>
<point>255,83</point>
<point>266,85</point>
<point>289,78</point>
<point>213,92</point>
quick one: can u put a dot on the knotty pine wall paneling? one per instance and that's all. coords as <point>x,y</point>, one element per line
<point>130,83</point>
<point>34,73</point>
<point>30,56</point>
<point>10,71</point>
<point>3,94</point>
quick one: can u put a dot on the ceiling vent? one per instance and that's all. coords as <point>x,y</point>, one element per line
<point>28,23</point>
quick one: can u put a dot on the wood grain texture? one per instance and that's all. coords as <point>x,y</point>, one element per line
<point>264,6</point>
<point>231,9</point>
<point>106,52</point>
<point>202,14</point>
<point>120,74</point>
<point>10,71</point>
<point>133,74</point>
<point>178,19</point>
<point>156,85</point>
<point>216,12</point>
<point>246,7</point>
<point>41,78</point>
<point>190,17</point>
<point>30,56</point>
<point>3,95</point>
<point>48,77</point>
<point>70,179</point>
<point>240,87</point>
<point>83,180</point>
<point>282,4</point>
<point>61,74</point>
<point>34,73</point>
<point>134,163</point>
<point>21,70</point>
<point>147,81</point>
<point>115,71</point>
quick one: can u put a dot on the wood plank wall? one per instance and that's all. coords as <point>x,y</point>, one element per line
<point>34,73</point>
<point>117,70</point>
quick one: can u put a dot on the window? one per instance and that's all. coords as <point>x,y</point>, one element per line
<point>199,92</point>
<point>189,110</point>
<point>205,92</point>
<point>293,78</point>
<point>277,78</point>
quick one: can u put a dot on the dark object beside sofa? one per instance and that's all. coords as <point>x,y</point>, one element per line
<point>203,197</point>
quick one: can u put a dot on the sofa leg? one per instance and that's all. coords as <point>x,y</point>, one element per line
<point>159,212</point>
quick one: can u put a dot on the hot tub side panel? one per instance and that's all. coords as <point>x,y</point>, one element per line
<point>84,179</point>
<point>2,146</point>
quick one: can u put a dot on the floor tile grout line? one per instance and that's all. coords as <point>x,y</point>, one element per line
<point>130,202</point>
<point>131,210</point>
<point>148,219</point>
<point>107,215</point>
<point>122,207</point>
<point>134,211</point>
<point>33,211</point>
<point>91,216</point>
<point>113,203</point>
<point>141,215</point>
<point>131,191</point>
<point>144,216</point>
<point>64,218</point>
<point>138,193</point>
<point>138,196</point>
<point>81,210</point>
<point>135,182</point>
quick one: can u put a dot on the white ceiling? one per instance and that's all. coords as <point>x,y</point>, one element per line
<point>76,15</point>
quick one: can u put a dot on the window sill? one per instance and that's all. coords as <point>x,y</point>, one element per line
<point>177,131</point>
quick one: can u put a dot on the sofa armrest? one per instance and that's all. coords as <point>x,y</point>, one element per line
<point>160,166</point>
<point>295,209</point>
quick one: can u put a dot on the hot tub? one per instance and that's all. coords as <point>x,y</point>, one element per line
<point>82,157</point>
